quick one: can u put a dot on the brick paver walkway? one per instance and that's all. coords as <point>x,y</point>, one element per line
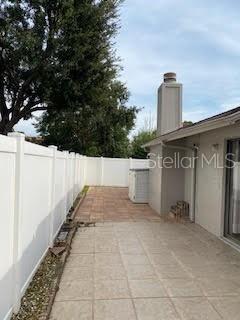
<point>112,204</point>
<point>140,268</point>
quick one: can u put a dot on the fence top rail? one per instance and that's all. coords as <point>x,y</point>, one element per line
<point>7,144</point>
<point>61,155</point>
<point>37,150</point>
<point>118,159</point>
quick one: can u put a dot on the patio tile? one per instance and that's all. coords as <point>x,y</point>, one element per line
<point>160,249</point>
<point>182,288</point>
<point>149,288</point>
<point>114,310</point>
<point>106,247</point>
<point>169,270</point>
<point>114,272</point>
<point>107,259</point>
<point>75,290</point>
<point>79,247</point>
<point>173,271</point>
<point>195,309</point>
<point>189,258</point>
<point>162,258</point>
<point>219,287</point>
<point>155,309</point>
<point>227,307</point>
<point>80,273</point>
<point>140,272</point>
<point>111,289</point>
<point>135,259</point>
<point>134,249</point>
<point>80,260</point>
<point>72,310</point>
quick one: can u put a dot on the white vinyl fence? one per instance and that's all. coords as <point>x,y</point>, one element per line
<point>111,171</point>
<point>38,185</point>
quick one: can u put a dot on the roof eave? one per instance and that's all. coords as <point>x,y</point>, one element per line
<point>193,130</point>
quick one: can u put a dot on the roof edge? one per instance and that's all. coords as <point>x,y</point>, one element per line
<point>221,120</point>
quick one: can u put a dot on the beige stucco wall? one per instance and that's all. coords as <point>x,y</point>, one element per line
<point>172,182</point>
<point>168,186</point>
<point>155,179</point>
<point>210,181</point>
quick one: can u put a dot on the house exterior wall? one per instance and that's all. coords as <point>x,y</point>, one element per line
<point>155,179</point>
<point>210,181</point>
<point>172,180</point>
<point>189,185</point>
<point>166,186</point>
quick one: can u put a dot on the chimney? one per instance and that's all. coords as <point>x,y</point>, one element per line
<point>169,116</point>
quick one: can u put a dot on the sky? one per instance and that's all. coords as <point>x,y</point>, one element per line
<point>199,40</point>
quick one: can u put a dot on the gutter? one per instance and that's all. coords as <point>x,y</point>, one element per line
<point>196,129</point>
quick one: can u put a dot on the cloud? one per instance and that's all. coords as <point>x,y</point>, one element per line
<point>197,40</point>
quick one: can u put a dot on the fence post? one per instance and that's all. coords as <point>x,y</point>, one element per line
<point>80,172</point>
<point>77,175</point>
<point>68,171</point>
<point>74,175</point>
<point>18,210</point>
<point>85,171</point>
<point>102,171</point>
<point>65,186</point>
<point>72,156</point>
<point>130,163</point>
<point>52,194</point>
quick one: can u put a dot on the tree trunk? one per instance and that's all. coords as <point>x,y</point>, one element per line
<point>7,125</point>
<point>5,128</point>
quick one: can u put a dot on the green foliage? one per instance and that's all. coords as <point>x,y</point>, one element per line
<point>98,123</point>
<point>57,55</point>
<point>187,123</point>
<point>100,131</point>
<point>29,38</point>
<point>140,139</point>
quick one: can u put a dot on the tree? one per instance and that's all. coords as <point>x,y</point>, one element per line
<point>100,120</point>
<point>99,131</point>
<point>187,123</point>
<point>55,55</point>
<point>142,137</point>
<point>27,46</point>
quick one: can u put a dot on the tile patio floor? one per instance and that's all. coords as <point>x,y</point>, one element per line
<point>138,267</point>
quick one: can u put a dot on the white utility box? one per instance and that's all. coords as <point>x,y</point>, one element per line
<point>138,185</point>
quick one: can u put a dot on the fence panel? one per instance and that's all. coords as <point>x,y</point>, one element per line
<point>59,197</point>
<point>115,172</point>
<point>38,186</point>
<point>93,171</point>
<point>7,190</point>
<point>111,171</point>
<point>140,164</point>
<point>36,208</point>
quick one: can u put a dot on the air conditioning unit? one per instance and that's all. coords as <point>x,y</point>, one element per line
<point>138,185</point>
